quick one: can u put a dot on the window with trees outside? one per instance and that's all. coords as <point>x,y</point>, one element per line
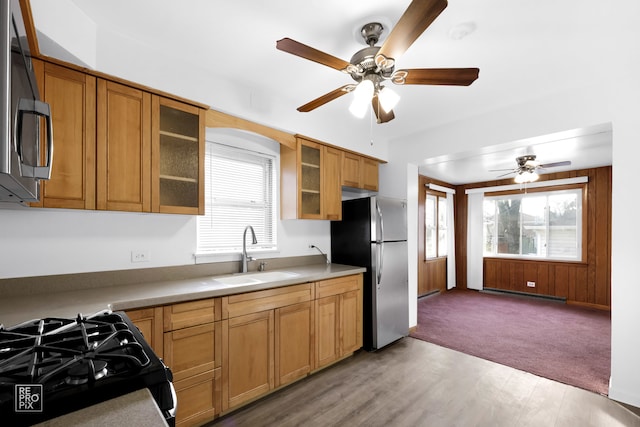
<point>540,225</point>
<point>239,191</point>
<point>435,222</point>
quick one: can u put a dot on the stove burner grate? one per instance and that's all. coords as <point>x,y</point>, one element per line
<point>77,352</point>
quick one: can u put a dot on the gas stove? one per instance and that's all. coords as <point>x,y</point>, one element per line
<point>53,366</point>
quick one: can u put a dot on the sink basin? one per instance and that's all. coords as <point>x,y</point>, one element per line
<point>267,276</point>
<point>236,281</point>
<point>254,278</point>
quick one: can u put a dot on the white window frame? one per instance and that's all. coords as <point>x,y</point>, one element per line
<point>579,192</point>
<point>204,250</point>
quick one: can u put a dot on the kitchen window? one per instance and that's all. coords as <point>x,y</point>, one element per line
<point>435,225</point>
<point>240,190</point>
<point>540,225</point>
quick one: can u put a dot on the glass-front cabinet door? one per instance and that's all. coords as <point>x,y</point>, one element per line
<point>310,180</point>
<point>177,157</point>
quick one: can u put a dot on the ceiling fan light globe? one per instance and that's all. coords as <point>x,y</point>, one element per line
<point>526,176</point>
<point>361,98</point>
<point>388,99</point>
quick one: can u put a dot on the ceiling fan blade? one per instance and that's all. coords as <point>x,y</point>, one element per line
<point>418,16</point>
<point>334,94</point>
<point>502,170</point>
<point>296,48</point>
<point>381,115</point>
<point>552,165</point>
<point>508,173</point>
<point>439,76</point>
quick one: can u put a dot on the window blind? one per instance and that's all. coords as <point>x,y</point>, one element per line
<point>239,191</point>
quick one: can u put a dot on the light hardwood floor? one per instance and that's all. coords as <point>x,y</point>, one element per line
<point>415,383</point>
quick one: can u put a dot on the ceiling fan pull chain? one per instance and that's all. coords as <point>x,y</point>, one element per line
<point>371,127</point>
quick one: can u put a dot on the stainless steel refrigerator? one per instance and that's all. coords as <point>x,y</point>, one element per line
<point>373,234</point>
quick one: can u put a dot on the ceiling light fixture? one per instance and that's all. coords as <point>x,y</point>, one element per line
<point>388,98</point>
<point>525,176</point>
<point>362,95</point>
<point>365,93</point>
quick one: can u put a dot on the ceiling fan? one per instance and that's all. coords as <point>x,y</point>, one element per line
<point>373,65</point>
<point>527,168</point>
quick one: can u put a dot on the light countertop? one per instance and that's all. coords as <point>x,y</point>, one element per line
<point>133,409</point>
<point>16,309</point>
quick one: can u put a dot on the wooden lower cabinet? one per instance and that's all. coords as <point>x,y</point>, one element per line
<point>350,325</point>
<point>191,351</point>
<point>149,322</point>
<point>247,357</point>
<point>198,398</point>
<point>327,330</point>
<point>338,323</point>
<point>227,351</point>
<point>267,341</point>
<point>192,338</point>
<point>294,342</point>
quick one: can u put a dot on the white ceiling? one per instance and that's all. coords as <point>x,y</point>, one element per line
<point>524,49</point>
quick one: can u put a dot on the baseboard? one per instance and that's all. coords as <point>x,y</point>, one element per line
<point>524,294</point>
<point>428,294</point>
<point>589,305</point>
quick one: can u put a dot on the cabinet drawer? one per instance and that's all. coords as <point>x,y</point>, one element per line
<point>191,313</point>
<point>199,398</point>
<point>338,285</point>
<point>193,350</point>
<point>254,302</point>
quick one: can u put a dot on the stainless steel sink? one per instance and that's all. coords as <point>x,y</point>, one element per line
<point>254,278</point>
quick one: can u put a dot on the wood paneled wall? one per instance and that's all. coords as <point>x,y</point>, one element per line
<point>586,283</point>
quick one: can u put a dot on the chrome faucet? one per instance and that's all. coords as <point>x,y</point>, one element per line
<point>245,258</point>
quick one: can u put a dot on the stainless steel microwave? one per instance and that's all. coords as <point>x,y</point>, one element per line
<point>21,114</point>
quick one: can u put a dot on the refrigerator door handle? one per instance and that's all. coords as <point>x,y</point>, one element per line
<point>381,222</point>
<point>380,262</point>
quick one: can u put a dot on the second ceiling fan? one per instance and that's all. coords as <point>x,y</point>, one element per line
<point>373,65</point>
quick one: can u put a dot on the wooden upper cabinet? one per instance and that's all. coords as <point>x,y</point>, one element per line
<point>351,167</point>
<point>120,147</point>
<point>332,188</point>
<point>123,148</point>
<point>359,172</point>
<point>177,184</point>
<point>72,97</point>
<point>369,173</point>
<point>311,181</point>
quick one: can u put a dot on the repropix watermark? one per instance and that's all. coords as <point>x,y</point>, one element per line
<point>28,397</point>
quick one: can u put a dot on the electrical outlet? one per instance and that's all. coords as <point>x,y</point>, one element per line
<point>531,284</point>
<point>139,256</point>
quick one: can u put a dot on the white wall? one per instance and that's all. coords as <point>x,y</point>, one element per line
<point>55,241</point>
<point>81,47</point>
<point>37,242</point>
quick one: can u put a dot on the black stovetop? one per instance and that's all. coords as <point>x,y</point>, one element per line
<point>52,366</point>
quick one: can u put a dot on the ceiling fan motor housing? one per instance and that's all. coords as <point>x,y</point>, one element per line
<point>364,61</point>
<point>527,162</point>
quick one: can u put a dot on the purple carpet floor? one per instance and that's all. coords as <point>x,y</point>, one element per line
<point>561,342</point>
